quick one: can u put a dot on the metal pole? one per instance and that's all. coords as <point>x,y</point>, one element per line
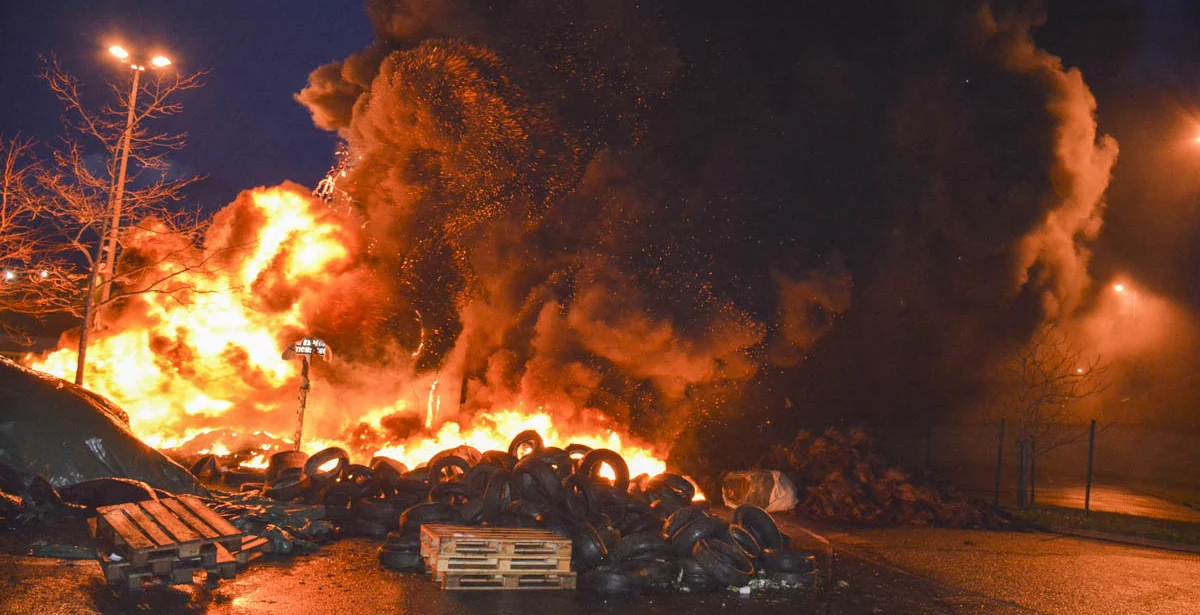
<point>304,386</point>
<point>1087,490</point>
<point>89,308</point>
<point>999,464</point>
<point>1022,476</point>
<point>1032,468</point>
<point>119,192</point>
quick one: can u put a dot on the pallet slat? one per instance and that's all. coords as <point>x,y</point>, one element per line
<point>193,522</point>
<point>128,533</point>
<point>475,581</point>
<point>446,563</point>
<point>168,539</point>
<point>169,522</point>
<point>148,526</point>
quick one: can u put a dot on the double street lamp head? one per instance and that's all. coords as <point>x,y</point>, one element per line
<point>121,54</point>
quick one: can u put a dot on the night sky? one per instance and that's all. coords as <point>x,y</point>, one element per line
<point>784,199</point>
<point>244,128</point>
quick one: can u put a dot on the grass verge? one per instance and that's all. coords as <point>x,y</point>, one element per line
<point>1112,523</point>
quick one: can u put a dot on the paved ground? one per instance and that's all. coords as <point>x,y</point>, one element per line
<point>1111,498</point>
<point>1008,572</point>
<point>899,571</point>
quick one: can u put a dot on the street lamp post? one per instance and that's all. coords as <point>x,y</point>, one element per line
<point>118,194</point>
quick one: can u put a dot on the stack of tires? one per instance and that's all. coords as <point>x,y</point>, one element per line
<point>628,535</point>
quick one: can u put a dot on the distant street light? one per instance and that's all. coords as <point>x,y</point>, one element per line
<point>118,194</point>
<point>1119,288</point>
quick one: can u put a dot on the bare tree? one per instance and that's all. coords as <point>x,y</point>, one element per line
<point>1044,382</point>
<point>62,220</point>
<point>35,277</point>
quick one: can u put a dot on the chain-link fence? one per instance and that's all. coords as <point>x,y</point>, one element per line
<point>1139,470</point>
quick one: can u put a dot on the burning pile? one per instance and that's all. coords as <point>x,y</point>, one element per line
<point>844,476</point>
<point>644,533</point>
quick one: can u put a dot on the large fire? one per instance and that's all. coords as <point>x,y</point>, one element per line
<point>202,369</point>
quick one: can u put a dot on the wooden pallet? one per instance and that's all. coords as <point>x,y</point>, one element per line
<point>170,539</point>
<point>467,557</point>
<point>477,581</point>
<point>492,541</point>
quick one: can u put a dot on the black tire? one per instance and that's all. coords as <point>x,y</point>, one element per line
<point>414,517</point>
<point>788,560</point>
<point>450,492</point>
<point>639,546</point>
<point>376,510</point>
<point>206,467</point>
<point>287,490</point>
<point>576,452</point>
<point>558,459</point>
<point>761,524</point>
<point>389,471</point>
<point>528,437</point>
<point>694,577</point>
<point>682,517</point>
<point>725,562</point>
<point>499,459</point>
<point>587,548</point>
<point>442,469</point>
<point>610,581</point>
<point>403,561</point>
<point>590,467</point>
<point>240,476</point>
<point>578,500</point>
<point>673,484</point>
<point>312,467</point>
<point>283,460</point>
<point>744,539</point>
<point>537,479</point>
<point>647,522</point>
<point>686,538</point>
<point>472,511</point>
<point>498,496</point>
<point>403,541</point>
<point>477,478</point>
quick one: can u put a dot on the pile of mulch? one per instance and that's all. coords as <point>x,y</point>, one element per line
<point>843,475</point>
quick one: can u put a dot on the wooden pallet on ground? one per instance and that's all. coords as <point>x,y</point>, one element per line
<point>169,538</point>
<point>492,541</point>
<point>468,557</point>
<point>477,581</point>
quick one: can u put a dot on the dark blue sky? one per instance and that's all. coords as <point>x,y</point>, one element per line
<point>245,129</point>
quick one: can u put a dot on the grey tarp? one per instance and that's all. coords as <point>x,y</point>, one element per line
<point>68,434</point>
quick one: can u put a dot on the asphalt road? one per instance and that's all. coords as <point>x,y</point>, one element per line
<point>1024,573</point>
<point>902,571</point>
<point>1116,499</point>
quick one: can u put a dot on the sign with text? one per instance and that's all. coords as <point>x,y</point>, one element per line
<point>309,347</point>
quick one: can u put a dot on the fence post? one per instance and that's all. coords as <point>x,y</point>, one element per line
<point>999,464</point>
<point>1022,475</point>
<point>1087,490</point>
<point>1032,471</point>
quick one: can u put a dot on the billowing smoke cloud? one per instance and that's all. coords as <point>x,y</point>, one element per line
<point>651,208</point>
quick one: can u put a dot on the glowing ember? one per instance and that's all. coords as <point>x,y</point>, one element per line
<point>195,370</point>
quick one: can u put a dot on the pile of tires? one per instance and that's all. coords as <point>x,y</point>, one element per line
<point>640,535</point>
<point>629,535</point>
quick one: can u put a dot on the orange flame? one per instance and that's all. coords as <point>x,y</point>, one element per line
<point>183,371</point>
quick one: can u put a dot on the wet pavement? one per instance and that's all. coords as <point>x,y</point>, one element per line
<point>1116,499</point>
<point>901,571</point>
<point>1015,572</point>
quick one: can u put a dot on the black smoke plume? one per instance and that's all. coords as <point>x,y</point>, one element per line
<point>682,212</point>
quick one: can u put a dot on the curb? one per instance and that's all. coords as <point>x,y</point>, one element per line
<point>1128,540</point>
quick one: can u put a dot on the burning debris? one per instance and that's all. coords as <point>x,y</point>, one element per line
<point>628,535</point>
<point>844,476</point>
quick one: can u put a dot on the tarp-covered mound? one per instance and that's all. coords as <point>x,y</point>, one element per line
<point>68,434</point>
